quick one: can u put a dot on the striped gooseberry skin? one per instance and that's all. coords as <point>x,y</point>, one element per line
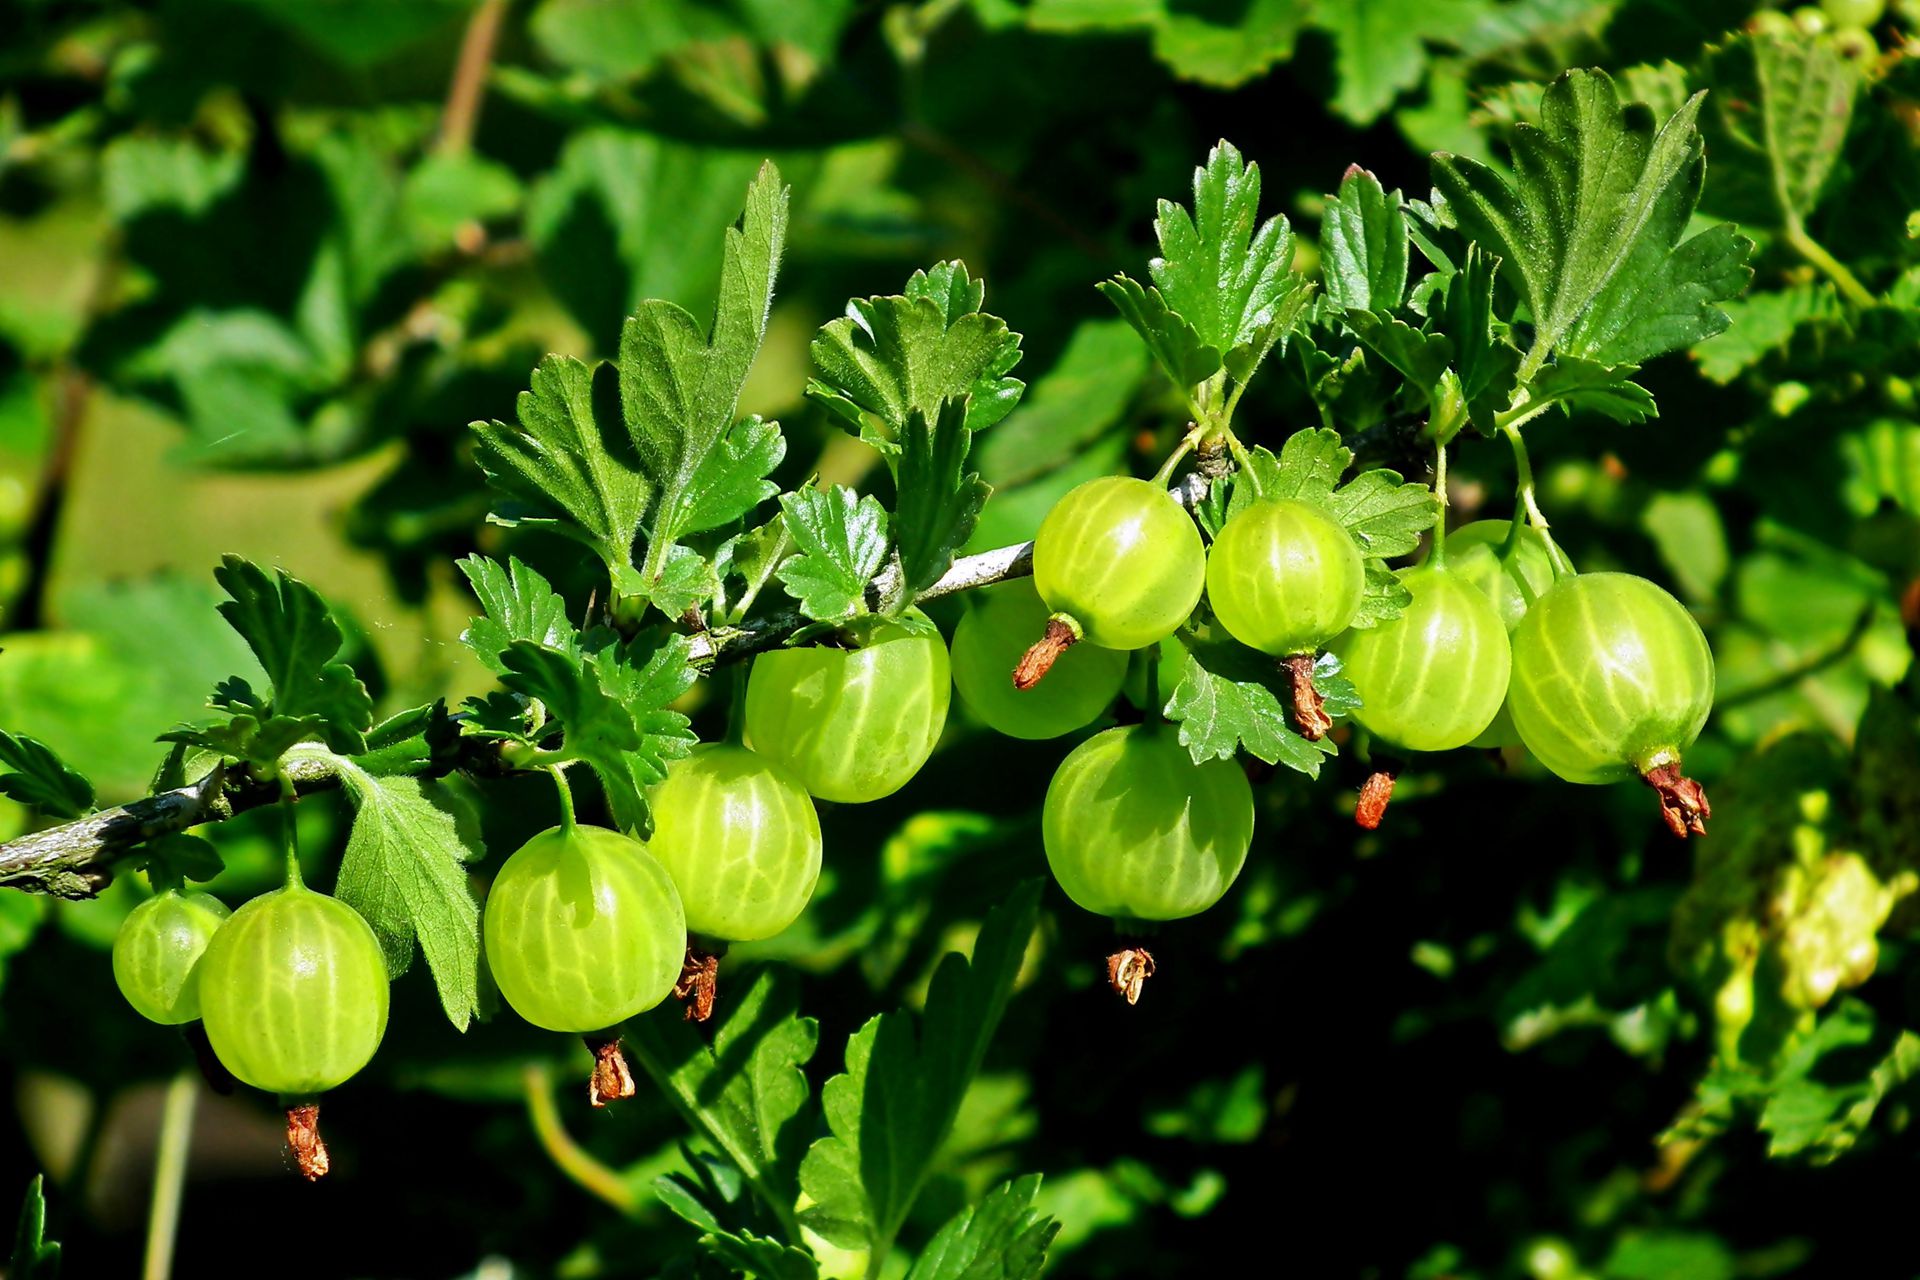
<point>1122,560</point>
<point>1433,678</point>
<point>739,835</point>
<point>853,724</point>
<point>1134,829</point>
<point>293,992</point>
<point>989,641</point>
<point>1611,677</point>
<point>156,954</point>
<point>1284,577</point>
<point>1512,584</point>
<point>583,930</point>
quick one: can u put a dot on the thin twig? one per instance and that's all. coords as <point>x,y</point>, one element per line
<point>462,112</point>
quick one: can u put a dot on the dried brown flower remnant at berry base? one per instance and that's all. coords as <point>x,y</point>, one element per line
<point>1128,970</point>
<point>1683,802</point>
<point>1309,708</point>
<point>1375,794</point>
<point>1037,661</point>
<point>303,1139</point>
<point>612,1079</point>
<point>699,983</point>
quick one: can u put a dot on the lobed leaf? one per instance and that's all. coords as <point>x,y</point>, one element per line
<point>288,627</point>
<point>1003,1238</point>
<point>33,775</point>
<point>842,540</point>
<point>520,605</point>
<point>938,500</point>
<point>1364,245</point>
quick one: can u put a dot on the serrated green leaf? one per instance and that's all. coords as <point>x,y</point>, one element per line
<point>1175,344</point>
<point>1763,324</point>
<point>1776,120</point>
<point>842,540</point>
<point>34,1256</point>
<point>1224,47</point>
<point>733,479</point>
<point>1582,384</point>
<point>1485,364</point>
<point>1589,229</point>
<point>287,625</point>
<point>1385,599</point>
<point>891,1110</point>
<point>1226,273</point>
<point>1228,699</point>
<point>31,774</point>
<point>1419,356</point>
<point>179,857</point>
<point>520,605</point>
<point>754,556</point>
<point>1363,245</point>
<point>1004,1238</point>
<point>889,357</point>
<point>404,870</point>
<point>411,741</point>
<point>746,1093</point>
<point>614,714</point>
<point>939,500</point>
<point>1820,1100</point>
<point>687,580</point>
<point>565,467</point>
<point>249,737</point>
<point>1379,47</point>
<point>1386,515</point>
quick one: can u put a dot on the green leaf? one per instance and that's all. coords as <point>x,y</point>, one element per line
<point>1589,229</point>
<point>561,468</point>
<point>1379,47</point>
<point>519,605</point>
<point>1229,698</point>
<point>1763,325</point>
<point>842,541</point>
<point>1485,364</point>
<point>405,871</point>
<point>31,774</point>
<point>249,736</point>
<point>1004,1238</point>
<point>1221,46</point>
<point>179,857</point>
<point>1419,356</point>
<point>1776,121</point>
<point>1386,515</point>
<point>1821,1100</point>
<point>892,1108</point>
<point>939,500</point>
<point>687,580</point>
<point>679,388</point>
<point>614,714</point>
<point>1582,384</point>
<point>1081,399</point>
<point>287,625</point>
<point>889,357</point>
<point>745,1094</point>
<point>1227,274</point>
<point>1363,245</point>
<point>1175,344</point>
<point>733,479</point>
<point>34,1256</point>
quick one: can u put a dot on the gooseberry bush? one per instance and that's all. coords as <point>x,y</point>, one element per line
<point>1213,653</point>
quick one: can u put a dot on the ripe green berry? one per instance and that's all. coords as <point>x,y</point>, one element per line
<point>157,952</point>
<point>1854,13</point>
<point>583,930</point>
<point>1512,584</point>
<point>853,724</point>
<point>1284,577</point>
<point>739,836</point>
<point>1134,829</point>
<point>1611,677</point>
<point>293,992</point>
<point>1434,677</point>
<point>997,629</point>
<point>1120,561</point>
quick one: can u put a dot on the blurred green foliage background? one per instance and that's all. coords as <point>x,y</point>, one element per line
<point>261,263</point>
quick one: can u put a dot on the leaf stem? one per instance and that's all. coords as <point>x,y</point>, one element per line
<point>1834,269</point>
<point>290,831</point>
<point>1524,492</point>
<point>462,110</point>
<point>567,1155</point>
<point>1196,431</point>
<point>170,1174</point>
<point>566,797</point>
<point>1438,556</point>
<point>737,708</point>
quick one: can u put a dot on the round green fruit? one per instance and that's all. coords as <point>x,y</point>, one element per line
<point>156,954</point>
<point>853,724</point>
<point>740,838</point>
<point>1611,677</point>
<point>1134,829</point>
<point>1854,13</point>
<point>583,930</point>
<point>1512,583</point>
<point>989,642</point>
<point>293,992</point>
<point>1284,577</point>
<point>1433,678</point>
<point>1121,561</point>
